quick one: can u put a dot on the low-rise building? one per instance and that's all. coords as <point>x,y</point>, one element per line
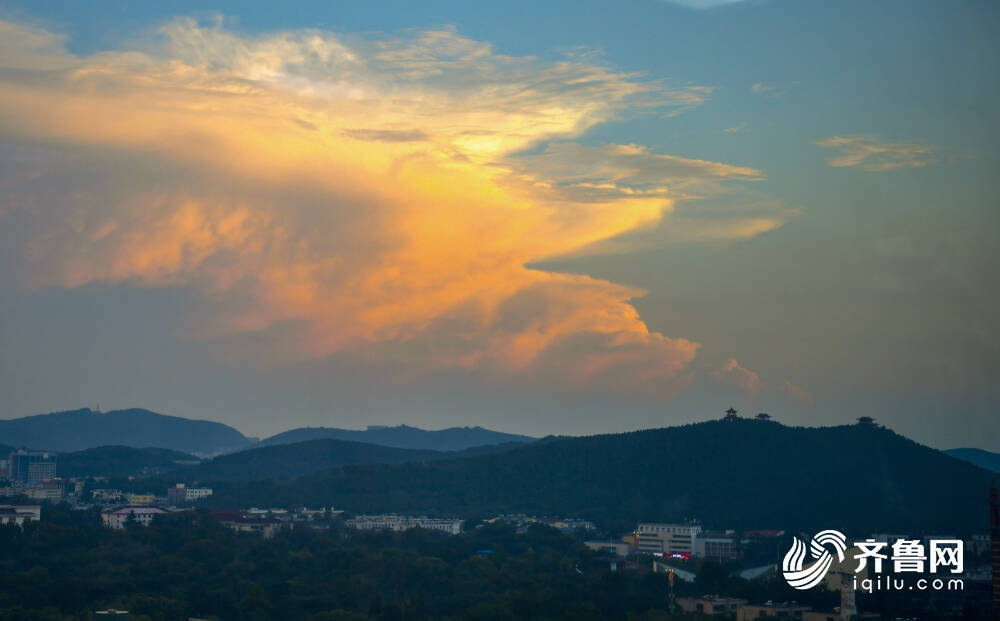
<point>19,514</point>
<point>180,494</point>
<point>667,539</point>
<point>402,522</point>
<point>265,526</point>
<point>521,522</point>
<point>51,489</point>
<point>140,500</point>
<point>718,547</point>
<point>711,604</point>
<point>618,548</point>
<point>106,496</point>
<point>118,518</point>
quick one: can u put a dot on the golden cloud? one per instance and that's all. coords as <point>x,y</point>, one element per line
<point>868,153</point>
<point>368,192</point>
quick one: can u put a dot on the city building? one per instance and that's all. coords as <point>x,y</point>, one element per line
<point>718,547</point>
<point>667,539</point>
<point>140,500</point>
<point>181,495</point>
<point>103,496</point>
<point>50,489</point>
<point>402,522</point>
<point>31,467</point>
<point>618,548</point>
<point>521,522</point>
<point>267,527</point>
<point>111,613</point>
<point>710,605</point>
<point>19,514</point>
<point>118,518</point>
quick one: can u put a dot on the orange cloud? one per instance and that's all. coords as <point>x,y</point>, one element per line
<point>731,373</point>
<point>365,191</point>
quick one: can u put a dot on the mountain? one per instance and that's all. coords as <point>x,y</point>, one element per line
<point>82,429</point>
<point>121,461</point>
<point>743,474</point>
<point>979,457</point>
<point>288,461</point>
<point>402,436</point>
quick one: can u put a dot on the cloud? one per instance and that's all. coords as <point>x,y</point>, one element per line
<point>380,196</point>
<point>760,87</point>
<point>730,373</point>
<point>587,174</point>
<point>868,153</point>
<point>735,129</point>
<point>386,135</point>
<point>800,396</point>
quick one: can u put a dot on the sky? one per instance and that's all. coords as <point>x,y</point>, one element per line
<point>542,218</point>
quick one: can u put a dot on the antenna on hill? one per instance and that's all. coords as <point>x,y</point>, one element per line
<point>97,408</point>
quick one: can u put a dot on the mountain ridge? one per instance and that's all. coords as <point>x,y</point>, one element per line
<point>980,457</point>
<point>402,436</point>
<point>77,430</point>
<point>290,461</point>
<point>741,474</point>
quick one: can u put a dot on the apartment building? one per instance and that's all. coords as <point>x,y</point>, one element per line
<point>656,538</point>
<point>402,522</point>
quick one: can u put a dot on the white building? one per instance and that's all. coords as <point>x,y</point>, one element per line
<point>118,518</point>
<point>180,494</point>
<point>667,539</point>
<point>19,514</point>
<point>402,522</point>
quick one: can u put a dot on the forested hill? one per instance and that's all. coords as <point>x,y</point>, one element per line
<point>76,430</point>
<point>121,461</point>
<point>743,474</point>
<point>403,436</point>
<point>288,461</point>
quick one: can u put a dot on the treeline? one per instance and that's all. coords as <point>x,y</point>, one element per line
<point>189,565</point>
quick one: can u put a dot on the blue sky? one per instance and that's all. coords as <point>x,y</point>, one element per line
<point>784,206</point>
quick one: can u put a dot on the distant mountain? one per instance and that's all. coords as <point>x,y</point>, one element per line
<point>82,429</point>
<point>403,436</point>
<point>121,461</point>
<point>288,461</point>
<point>979,457</point>
<point>742,474</point>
